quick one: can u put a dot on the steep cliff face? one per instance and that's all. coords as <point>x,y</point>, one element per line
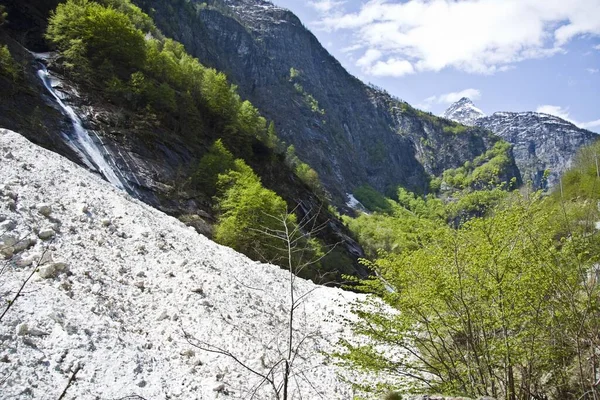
<point>148,160</point>
<point>350,133</point>
<point>540,141</point>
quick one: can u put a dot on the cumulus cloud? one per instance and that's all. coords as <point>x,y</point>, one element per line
<point>325,6</point>
<point>564,114</point>
<point>557,111</point>
<point>593,70</point>
<point>479,36</point>
<point>449,98</point>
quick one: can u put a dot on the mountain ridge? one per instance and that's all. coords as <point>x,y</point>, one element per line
<point>544,145</point>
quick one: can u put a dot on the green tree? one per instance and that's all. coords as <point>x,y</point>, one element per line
<point>246,209</point>
<point>101,35</point>
<point>217,161</point>
<point>496,308</point>
<point>8,66</point>
<point>3,15</point>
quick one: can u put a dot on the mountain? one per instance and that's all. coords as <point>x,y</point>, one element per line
<point>117,285</point>
<point>540,141</point>
<point>152,160</point>
<point>350,133</point>
<point>464,112</point>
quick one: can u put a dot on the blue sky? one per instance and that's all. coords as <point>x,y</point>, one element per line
<point>506,55</point>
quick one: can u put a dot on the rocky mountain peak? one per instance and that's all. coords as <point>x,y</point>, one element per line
<point>463,111</point>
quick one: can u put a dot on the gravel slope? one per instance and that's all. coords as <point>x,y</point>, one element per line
<point>118,283</point>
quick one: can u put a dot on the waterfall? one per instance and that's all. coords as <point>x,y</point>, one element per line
<point>94,156</point>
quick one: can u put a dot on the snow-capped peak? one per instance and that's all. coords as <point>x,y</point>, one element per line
<point>464,112</point>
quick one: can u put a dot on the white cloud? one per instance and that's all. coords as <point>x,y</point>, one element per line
<point>449,98</point>
<point>557,111</point>
<point>325,6</point>
<point>593,70</point>
<point>591,124</point>
<point>564,114</point>
<point>597,47</point>
<point>453,97</point>
<point>392,67</point>
<point>479,36</point>
<point>367,60</point>
<point>370,64</point>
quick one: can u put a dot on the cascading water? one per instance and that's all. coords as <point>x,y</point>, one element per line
<point>81,141</point>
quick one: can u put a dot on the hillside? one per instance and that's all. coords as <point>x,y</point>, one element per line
<point>118,284</point>
<point>350,133</point>
<point>150,141</point>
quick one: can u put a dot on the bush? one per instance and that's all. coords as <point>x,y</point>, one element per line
<point>247,211</point>
<point>372,199</point>
<point>217,161</point>
<point>101,35</point>
<point>8,66</point>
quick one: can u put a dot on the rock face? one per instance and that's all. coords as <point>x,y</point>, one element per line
<point>540,141</point>
<point>352,134</point>
<point>464,112</point>
<point>111,302</point>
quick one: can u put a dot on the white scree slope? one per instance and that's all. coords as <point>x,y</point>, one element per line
<point>118,282</point>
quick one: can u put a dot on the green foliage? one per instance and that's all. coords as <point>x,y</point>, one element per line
<point>101,35</point>
<point>408,221</point>
<point>435,184</point>
<point>455,129</point>
<point>372,199</point>
<point>8,66</point>
<point>217,161</point>
<point>154,74</point>
<point>3,15</point>
<point>485,171</point>
<point>428,207</point>
<point>303,171</point>
<point>294,73</point>
<point>581,180</point>
<point>309,100</point>
<point>247,212</point>
<point>504,306</point>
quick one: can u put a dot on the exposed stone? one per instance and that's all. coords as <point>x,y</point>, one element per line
<point>44,209</point>
<point>52,270</point>
<point>46,233</point>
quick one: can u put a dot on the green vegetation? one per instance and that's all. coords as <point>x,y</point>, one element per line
<point>309,100</point>
<point>294,73</point>
<point>372,199</point>
<point>88,33</point>
<point>496,292</point>
<point>3,15</point>
<point>153,74</point>
<point>8,66</point>
<point>505,306</point>
<point>581,181</point>
<point>247,211</point>
<point>401,224</point>
<point>217,161</point>
<point>114,47</point>
<point>484,172</point>
<point>455,129</point>
<point>306,174</point>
